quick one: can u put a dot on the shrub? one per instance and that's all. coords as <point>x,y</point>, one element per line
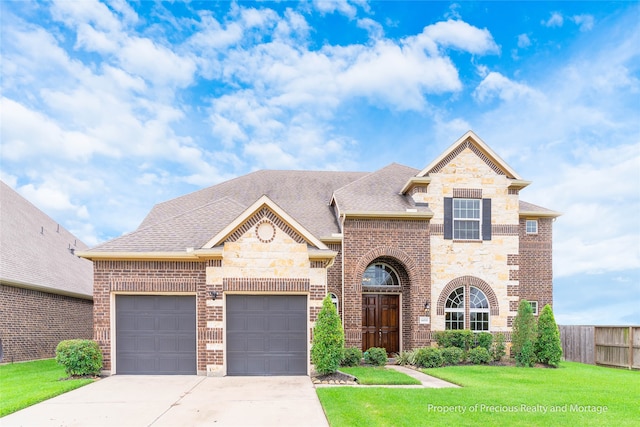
<point>429,357</point>
<point>458,338</point>
<point>79,357</point>
<point>479,355</point>
<point>484,339</point>
<point>499,347</point>
<point>524,335</point>
<point>376,356</point>
<point>406,357</point>
<point>328,339</point>
<point>548,347</point>
<point>351,356</point>
<point>452,355</point>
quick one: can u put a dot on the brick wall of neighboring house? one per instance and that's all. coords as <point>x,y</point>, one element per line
<point>535,264</point>
<point>404,244</point>
<point>152,277</point>
<point>32,323</point>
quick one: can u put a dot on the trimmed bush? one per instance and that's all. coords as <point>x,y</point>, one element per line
<point>452,355</point>
<point>499,348</point>
<point>523,336</point>
<point>548,347</point>
<point>351,356</point>
<point>484,339</point>
<point>79,357</point>
<point>328,339</point>
<point>454,338</point>
<point>479,355</point>
<point>429,357</point>
<point>376,356</point>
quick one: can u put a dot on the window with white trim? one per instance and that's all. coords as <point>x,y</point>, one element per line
<point>454,310</point>
<point>532,226</point>
<point>478,309</point>
<point>380,274</point>
<point>534,307</point>
<point>466,219</point>
<point>334,300</point>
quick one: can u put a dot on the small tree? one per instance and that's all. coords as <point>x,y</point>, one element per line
<point>548,347</point>
<point>328,339</point>
<point>524,335</point>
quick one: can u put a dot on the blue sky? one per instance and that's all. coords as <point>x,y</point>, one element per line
<point>110,107</point>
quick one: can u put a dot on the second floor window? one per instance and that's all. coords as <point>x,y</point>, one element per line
<point>466,219</point>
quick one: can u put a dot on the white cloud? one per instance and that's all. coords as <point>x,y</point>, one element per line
<point>523,41</point>
<point>585,22</point>
<point>460,35</point>
<point>372,27</point>
<point>555,20</point>
<point>496,85</point>
<point>332,6</point>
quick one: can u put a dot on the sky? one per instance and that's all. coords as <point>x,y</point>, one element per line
<point>108,108</point>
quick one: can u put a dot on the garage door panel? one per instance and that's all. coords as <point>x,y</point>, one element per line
<point>153,336</point>
<point>266,334</point>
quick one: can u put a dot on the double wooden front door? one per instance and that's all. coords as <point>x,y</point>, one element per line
<point>381,322</point>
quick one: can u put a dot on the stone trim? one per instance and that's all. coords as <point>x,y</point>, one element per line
<point>466,282</point>
<point>266,284</point>
<point>467,193</point>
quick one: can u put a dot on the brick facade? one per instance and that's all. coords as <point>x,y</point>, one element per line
<point>404,245</point>
<point>32,323</point>
<point>535,263</point>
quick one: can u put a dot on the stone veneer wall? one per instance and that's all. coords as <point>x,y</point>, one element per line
<point>253,265</point>
<point>150,277</point>
<point>406,245</point>
<point>32,323</point>
<point>466,174</point>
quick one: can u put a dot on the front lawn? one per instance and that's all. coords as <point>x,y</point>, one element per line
<point>574,394</point>
<point>26,383</point>
<point>379,376</point>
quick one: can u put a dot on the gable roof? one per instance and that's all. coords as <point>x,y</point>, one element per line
<point>473,141</point>
<point>531,210</point>
<point>36,252</point>
<point>378,192</point>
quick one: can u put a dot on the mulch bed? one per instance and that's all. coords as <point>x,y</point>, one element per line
<point>334,378</point>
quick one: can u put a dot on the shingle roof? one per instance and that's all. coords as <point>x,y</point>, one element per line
<point>34,250</point>
<point>191,220</point>
<point>378,191</point>
<point>526,207</point>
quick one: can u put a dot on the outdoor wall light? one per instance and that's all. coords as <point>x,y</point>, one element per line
<point>426,308</point>
<point>213,295</point>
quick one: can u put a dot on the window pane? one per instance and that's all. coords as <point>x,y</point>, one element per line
<point>454,320</point>
<point>532,226</point>
<point>456,299</point>
<point>466,208</point>
<point>477,299</point>
<point>479,321</point>
<point>466,230</point>
<point>379,275</point>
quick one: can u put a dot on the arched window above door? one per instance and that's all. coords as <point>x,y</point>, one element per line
<point>380,274</point>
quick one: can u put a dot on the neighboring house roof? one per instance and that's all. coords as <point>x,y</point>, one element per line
<point>35,251</point>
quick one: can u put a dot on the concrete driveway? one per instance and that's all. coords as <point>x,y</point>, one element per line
<point>131,400</point>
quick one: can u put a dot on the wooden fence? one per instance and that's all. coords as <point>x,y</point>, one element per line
<point>602,345</point>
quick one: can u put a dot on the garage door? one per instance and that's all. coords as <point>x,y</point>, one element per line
<point>155,334</point>
<point>266,334</point>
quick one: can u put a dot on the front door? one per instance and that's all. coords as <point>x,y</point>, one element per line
<point>381,322</point>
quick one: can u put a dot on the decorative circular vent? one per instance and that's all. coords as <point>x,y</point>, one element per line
<point>265,231</point>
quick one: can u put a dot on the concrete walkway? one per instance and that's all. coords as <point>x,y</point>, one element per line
<point>426,380</point>
<point>158,401</point>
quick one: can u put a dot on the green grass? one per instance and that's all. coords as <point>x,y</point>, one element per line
<point>27,383</point>
<point>379,376</point>
<point>574,394</point>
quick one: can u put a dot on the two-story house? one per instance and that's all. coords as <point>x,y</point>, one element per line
<point>229,280</point>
